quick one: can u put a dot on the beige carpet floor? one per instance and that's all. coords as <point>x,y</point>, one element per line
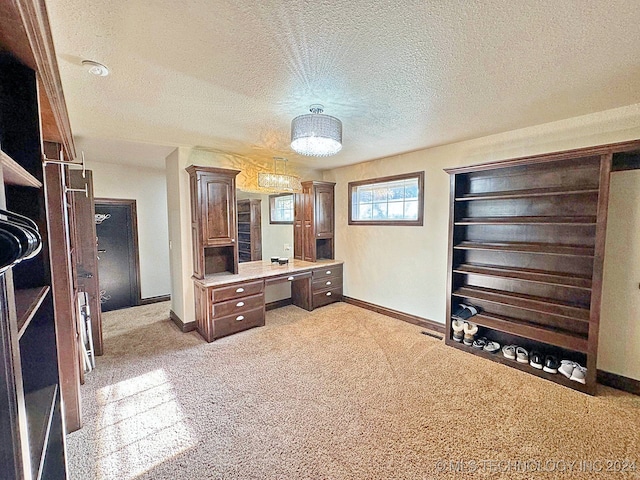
<point>338,393</point>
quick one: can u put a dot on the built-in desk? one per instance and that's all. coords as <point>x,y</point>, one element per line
<point>229,303</point>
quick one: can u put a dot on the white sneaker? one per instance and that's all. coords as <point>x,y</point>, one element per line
<point>567,367</point>
<point>509,351</point>
<point>579,374</point>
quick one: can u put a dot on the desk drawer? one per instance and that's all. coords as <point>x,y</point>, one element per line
<point>237,306</point>
<point>236,323</point>
<point>326,297</point>
<point>236,291</point>
<point>287,278</point>
<point>326,272</point>
<point>326,283</point>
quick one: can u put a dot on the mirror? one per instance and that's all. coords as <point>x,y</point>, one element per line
<point>276,238</point>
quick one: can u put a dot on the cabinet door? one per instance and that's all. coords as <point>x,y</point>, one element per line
<point>324,211</point>
<point>219,212</point>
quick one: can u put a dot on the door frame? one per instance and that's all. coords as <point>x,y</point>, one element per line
<point>134,258</point>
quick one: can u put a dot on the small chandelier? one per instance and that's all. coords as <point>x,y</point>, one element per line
<point>316,134</point>
<point>279,182</point>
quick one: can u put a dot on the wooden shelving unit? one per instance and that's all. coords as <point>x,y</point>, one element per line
<point>249,230</point>
<point>31,425</point>
<point>27,302</point>
<point>526,247</point>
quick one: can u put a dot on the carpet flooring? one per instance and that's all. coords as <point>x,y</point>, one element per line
<point>337,393</point>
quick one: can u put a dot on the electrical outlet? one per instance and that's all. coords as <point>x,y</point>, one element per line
<point>287,247</point>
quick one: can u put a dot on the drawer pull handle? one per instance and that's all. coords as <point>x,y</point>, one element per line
<point>239,318</point>
<point>233,240</point>
<point>328,272</point>
<point>328,283</point>
<point>240,304</point>
<point>328,294</point>
<point>239,290</point>
<point>290,278</point>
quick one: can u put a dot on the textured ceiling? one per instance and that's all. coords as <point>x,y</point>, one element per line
<point>401,75</point>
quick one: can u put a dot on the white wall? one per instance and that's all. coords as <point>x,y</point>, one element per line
<point>147,186</point>
<point>405,268</point>
<point>619,348</point>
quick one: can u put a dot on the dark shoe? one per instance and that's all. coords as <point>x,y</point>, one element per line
<point>550,364</point>
<point>536,360</point>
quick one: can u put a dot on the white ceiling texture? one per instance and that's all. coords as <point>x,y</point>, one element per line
<point>400,74</point>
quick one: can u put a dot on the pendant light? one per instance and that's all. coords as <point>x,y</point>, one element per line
<point>316,134</point>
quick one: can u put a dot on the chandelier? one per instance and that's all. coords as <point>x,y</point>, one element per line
<point>279,182</point>
<point>316,134</point>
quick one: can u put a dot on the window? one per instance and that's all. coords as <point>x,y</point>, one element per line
<point>397,200</point>
<point>281,209</point>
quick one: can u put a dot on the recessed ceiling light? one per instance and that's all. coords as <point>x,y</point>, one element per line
<point>96,68</point>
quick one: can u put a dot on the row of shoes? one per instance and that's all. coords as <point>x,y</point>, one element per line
<point>466,332</point>
<point>548,363</point>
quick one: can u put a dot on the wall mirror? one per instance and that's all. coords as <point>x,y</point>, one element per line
<point>276,237</point>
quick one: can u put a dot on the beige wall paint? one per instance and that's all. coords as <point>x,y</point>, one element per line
<point>405,268</point>
<point>147,187</point>
<point>619,348</point>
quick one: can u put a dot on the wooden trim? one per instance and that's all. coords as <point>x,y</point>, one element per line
<point>157,299</point>
<point>279,303</point>
<point>594,151</point>
<point>272,199</point>
<point>135,257</point>
<point>184,327</point>
<point>36,23</point>
<point>63,295</point>
<point>405,317</point>
<point>598,265</point>
<point>451,252</point>
<point>613,380</point>
<point>397,223</point>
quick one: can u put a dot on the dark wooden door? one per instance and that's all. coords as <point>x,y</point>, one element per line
<point>324,211</point>
<point>118,271</point>
<point>219,209</point>
<point>309,241</point>
<point>86,250</point>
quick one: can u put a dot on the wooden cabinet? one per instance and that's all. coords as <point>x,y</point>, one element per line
<point>213,220</point>
<point>224,310</point>
<point>326,285</point>
<point>249,230</point>
<point>31,420</point>
<point>526,246</point>
<point>313,226</point>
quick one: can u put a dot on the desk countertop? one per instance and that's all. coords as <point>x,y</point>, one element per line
<point>262,269</point>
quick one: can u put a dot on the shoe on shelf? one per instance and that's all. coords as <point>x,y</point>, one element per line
<point>470,331</point>
<point>458,330</point>
<point>465,312</point>
<point>536,360</point>
<point>480,342</point>
<point>492,347</point>
<point>509,351</point>
<point>566,368</point>
<point>550,364</point>
<point>579,374</point>
<point>522,356</point>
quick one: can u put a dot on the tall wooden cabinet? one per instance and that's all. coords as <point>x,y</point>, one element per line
<point>31,420</point>
<point>213,220</point>
<point>249,230</point>
<point>527,246</point>
<point>314,220</point>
